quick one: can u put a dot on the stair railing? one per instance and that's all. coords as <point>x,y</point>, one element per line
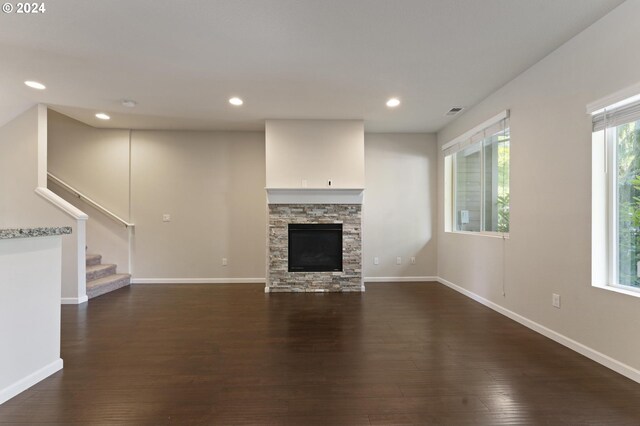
<point>89,201</point>
<point>76,253</point>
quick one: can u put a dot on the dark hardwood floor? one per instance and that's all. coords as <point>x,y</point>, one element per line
<point>397,354</point>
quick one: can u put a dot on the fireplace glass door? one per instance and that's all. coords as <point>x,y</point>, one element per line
<point>315,247</point>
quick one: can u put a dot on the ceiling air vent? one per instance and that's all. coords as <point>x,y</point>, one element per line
<point>454,111</point>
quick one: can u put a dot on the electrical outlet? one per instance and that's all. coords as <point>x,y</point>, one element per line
<point>376,261</point>
<point>224,261</point>
<point>304,183</point>
<point>166,217</point>
<point>398,260</point>
<point>555,300</point>
<point>413,260</point>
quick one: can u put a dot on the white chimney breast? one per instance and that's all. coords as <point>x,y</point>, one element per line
<point>315,151</point>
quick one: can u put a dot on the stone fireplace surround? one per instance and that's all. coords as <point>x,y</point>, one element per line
<point>314,206</point>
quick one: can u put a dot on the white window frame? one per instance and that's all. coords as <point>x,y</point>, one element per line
<point>457,145</point>
<point>604,271</point>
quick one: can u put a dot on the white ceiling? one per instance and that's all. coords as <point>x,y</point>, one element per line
<point>182,60</point>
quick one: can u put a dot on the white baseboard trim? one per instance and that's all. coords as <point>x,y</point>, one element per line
<point>198,281</point>
<point>399,279</point>
<point>590,353</point>
<point>74,300</point>
<point>26,382</point>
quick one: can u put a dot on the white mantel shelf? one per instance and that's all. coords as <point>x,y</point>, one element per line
<point>315,195</point>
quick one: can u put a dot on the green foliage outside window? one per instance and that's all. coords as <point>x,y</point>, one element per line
<point>628,194</point>
<point>503,184</point>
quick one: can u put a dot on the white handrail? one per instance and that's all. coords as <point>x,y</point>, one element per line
<point>89,201</point>
<point>61,203</point>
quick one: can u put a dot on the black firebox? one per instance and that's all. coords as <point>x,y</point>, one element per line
<point>315,247</point>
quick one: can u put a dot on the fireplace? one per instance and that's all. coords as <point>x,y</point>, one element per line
<point>314,241</point>
<point>315,247</point>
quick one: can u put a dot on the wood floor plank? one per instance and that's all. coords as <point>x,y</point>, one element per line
<point>410,353</point>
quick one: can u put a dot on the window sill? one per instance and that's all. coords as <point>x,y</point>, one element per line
<point>481,234</point>
<point>620,289</point>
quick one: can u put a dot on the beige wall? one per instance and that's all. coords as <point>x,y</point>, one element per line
<point>549,247</point>
<point>212,185</point>
<point>19,204</point>
<point>316,151</point>
<point>94,161</point>
<point>104,235</point>
<point>400,205</point>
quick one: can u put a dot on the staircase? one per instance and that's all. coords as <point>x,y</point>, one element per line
<point>101,278</point>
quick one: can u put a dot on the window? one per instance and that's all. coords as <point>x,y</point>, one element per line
<point>616,195</point>
<point>477,170</point>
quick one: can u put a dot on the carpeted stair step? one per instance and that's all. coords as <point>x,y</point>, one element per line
<point>106,284</point>
<point>101,278</point>
<point>93,259</point>
<point>98,271</point>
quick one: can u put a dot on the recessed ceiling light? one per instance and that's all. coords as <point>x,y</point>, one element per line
<point>129,103</point>
<point>102,116</point>
<point>393,102</point>
<point>35,85</point>
<point>236,101</point>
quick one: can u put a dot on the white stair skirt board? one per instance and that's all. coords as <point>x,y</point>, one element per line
<point>198,281</point>
<point>590,353</point>
<point>399,279</point>
<point>74,300</point>
<point>26,382</point>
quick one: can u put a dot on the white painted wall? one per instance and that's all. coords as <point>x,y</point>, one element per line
<point>316,151</point>
<point>212,185</point>
<point>30,270</point>
<point>549,247</point>
<point>19,204</point>
<point>399,216</point>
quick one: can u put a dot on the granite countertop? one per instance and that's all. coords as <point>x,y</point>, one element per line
<point>6,234</point>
